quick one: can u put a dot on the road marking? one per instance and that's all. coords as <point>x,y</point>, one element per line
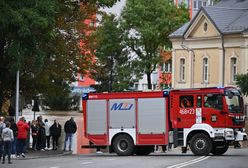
<point>189,162</point>
<point>111,159</point>
<point>85,163</point>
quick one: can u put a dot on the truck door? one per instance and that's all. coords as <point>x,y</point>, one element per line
<point>186,115</point>
<point>212,110</point>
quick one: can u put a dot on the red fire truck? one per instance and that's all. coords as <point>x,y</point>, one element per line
<point>207,120</point>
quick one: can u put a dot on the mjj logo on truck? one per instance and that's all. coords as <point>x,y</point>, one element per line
<point>208,120</point>
<point>121,106</point>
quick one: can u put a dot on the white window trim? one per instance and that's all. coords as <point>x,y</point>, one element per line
<point>169,70</point>
<point>205,56</point>
<point>180,70</point>
<point>195,7</point>
<point>231,68</point>
<point>205,31</point>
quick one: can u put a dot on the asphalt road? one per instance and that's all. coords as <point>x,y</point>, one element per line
<point>234,158</point>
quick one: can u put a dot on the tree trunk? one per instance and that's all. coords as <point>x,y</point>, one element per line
<point>2,44</point>
<point>111,81</point>
<point>1,101</point>
<point>111,74</point>
<point>149,82</point>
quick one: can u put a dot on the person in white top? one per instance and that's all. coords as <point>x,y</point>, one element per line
<point>47,130</point>
<point>2,126</point>
<point>8,137</point>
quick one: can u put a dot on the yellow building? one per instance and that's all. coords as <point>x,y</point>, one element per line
<point>211,49</point>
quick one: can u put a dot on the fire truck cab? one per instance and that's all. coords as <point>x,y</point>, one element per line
<point>207,120</point>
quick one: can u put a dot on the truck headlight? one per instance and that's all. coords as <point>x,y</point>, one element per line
<point>229,133</point>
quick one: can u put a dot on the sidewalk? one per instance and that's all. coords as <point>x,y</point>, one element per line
<point>31,154</point>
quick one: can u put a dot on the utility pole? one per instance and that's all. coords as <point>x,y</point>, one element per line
<point>17,95</point>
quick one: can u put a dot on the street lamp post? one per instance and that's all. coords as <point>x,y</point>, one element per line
<point>17,95</point>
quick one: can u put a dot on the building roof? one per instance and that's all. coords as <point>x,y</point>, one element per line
<point>179,32</point>
<point>229,16</point>
<point>233,3</point>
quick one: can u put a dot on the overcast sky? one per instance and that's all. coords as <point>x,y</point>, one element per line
<point>116,9</point>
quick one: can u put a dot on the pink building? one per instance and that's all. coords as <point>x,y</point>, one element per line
<point>194,5</point>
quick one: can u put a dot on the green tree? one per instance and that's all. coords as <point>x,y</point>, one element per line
<point>40,38</point>
<point>26,27</point>
<point>112,67</point>
<point>147,25</point>
<point>242,82</point>
<point>100,3</point>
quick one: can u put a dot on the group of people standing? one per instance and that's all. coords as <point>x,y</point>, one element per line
<point>14,137</point>
<point>42,133</point>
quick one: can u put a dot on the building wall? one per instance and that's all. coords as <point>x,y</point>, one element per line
<point>214,55</point>
<point>199,31</point>
<point>213,77</point>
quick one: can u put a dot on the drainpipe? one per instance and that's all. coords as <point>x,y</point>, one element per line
<point>223,64</point>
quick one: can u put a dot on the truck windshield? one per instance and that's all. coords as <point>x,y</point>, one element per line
<point>234,103</point>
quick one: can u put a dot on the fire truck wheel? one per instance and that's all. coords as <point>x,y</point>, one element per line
<point>144,150</point>
<point>201,144</point>
<point>219,149</point>
<point>123,145</point>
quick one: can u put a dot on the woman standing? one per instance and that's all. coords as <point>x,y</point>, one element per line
<point>41,136</point>
<point>34,132</point>
<point>7,136</point>
<point>14,128</point>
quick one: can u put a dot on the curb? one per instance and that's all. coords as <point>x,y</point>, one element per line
<point>43,156</point>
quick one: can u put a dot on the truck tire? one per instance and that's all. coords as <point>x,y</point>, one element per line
<point>123,145</point>
<point>220,149</point>
<point>144,150</point>
<point>200,144</point>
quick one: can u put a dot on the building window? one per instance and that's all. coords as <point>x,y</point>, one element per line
<point>195,4</point>
<point>233,69</point>
<point>205,27</point>
<point>187,3</point>
<point>211,2</point>
<point>81,77</point>
<point>199,4</point>
<point>136,86</point>
<point>182,69</point>
<point>167,67</point>
<point>205,70</point>
<point>204,3</point>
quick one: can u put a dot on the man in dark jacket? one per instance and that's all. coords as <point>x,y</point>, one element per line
<point>70,128</point>
<point>55,132</point>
